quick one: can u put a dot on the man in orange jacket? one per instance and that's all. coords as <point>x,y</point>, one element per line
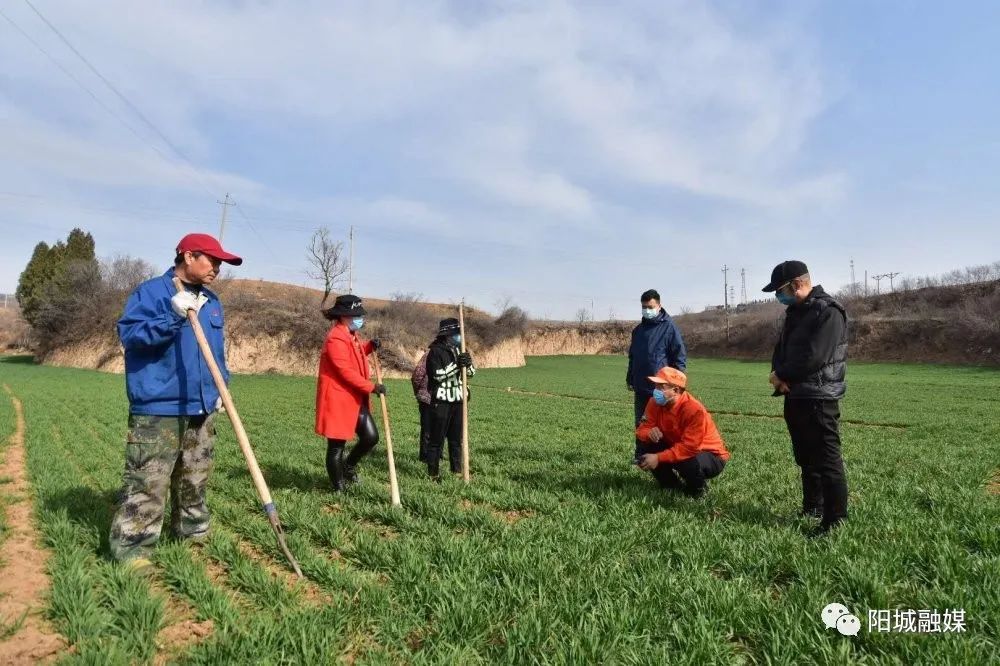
<point>680,444</point>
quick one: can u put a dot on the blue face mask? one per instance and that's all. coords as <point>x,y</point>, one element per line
<point>785,299</point>
<point>456,340</point>
<point>659,397</point>
<point>356,323</point>
<point>650,313</point>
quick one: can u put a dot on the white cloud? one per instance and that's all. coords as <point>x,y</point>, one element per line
<point>503,122</point>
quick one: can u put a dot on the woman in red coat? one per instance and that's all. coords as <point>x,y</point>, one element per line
<point>342,391</point>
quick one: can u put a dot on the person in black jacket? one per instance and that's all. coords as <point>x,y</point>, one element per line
<point>809,368</point>
<point>656,344</point>
<point>444,383</point>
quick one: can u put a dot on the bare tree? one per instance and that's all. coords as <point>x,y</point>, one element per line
<point>326,261</point>
<point>583,316</point>
<point>121,273</point>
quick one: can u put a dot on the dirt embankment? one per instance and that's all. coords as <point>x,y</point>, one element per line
<point>554,339</point>
<point>954,324</point>
<point>957,324</point>
<point>259,354</point>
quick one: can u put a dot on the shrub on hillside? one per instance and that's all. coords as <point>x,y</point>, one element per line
<point>86,301</point>
<point>405,325</point>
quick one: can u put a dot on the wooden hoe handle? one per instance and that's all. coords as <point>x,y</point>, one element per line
<point>465,402</point>
<point>393,483</point>
<point>241,433</point>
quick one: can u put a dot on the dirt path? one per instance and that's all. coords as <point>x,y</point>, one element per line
<point>23,582</point>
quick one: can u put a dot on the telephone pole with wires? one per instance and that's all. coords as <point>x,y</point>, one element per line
<point>725,296</point>
<point>878,283</point>
<point>225,207</point>
<point>350,262</point>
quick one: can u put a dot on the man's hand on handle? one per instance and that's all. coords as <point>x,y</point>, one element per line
<point>183,301</point>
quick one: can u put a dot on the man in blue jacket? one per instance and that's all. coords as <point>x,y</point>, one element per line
<point>656,344</point>
<point>172,401</point>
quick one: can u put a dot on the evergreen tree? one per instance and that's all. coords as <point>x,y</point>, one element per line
<point>46,277</point>
<point>33,279</point>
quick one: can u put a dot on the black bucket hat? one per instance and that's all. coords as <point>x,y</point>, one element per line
<point>347,305</point>
<point>784,273</point>
<point>448,326</point>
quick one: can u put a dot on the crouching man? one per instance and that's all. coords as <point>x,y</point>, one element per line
<point>680,444</point>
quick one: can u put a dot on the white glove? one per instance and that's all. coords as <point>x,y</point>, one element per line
<point>183,301</point>
<point>219,407</point>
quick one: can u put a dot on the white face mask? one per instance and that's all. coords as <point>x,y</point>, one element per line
<point>650,313</point>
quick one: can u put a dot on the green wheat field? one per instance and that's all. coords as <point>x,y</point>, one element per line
<point>559,551</point>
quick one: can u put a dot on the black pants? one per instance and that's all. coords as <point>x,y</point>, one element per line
<point>367,439</point>
<point>688,475</point>
<point>446,423</point>
<point>814,426</point>
<point>641,398</point>
<point>425,429</point>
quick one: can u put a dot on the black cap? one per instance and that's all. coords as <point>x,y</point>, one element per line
<point>448,326</point>
<point>347,305</point>
<point>784,273</point>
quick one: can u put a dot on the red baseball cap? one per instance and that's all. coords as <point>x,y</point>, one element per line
<point>207,245</point>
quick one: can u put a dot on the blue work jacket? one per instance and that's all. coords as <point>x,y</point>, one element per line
<point>165,373</point>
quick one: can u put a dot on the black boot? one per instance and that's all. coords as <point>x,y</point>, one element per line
<point>335,467</point>
<point>811,512</point>
<point>434,471</point>
<point>351,474</point>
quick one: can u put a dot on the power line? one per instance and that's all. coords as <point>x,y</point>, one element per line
<point>146,121</point>
<point>82,85</point>
<point>194,171</point>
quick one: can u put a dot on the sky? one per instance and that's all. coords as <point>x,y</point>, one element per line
<point>560,156</point>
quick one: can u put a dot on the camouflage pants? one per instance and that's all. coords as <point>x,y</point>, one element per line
<point>163,453</point>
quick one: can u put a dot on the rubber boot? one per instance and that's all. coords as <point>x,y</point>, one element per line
<point>351,474</point>
<point>335,469</point>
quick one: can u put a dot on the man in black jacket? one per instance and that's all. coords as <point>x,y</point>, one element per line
<point>656,344</point>
<point>444,383</point>
<point>809,368</point>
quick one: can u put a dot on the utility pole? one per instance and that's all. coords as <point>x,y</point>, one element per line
<point>225,207</point>
<point>878,283</point>
<point>854,285</point>
<point>593,316</point>
<point>725,297</point>
<point>890,276</point>
<point>350,264</point>
<point>743,285</point>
